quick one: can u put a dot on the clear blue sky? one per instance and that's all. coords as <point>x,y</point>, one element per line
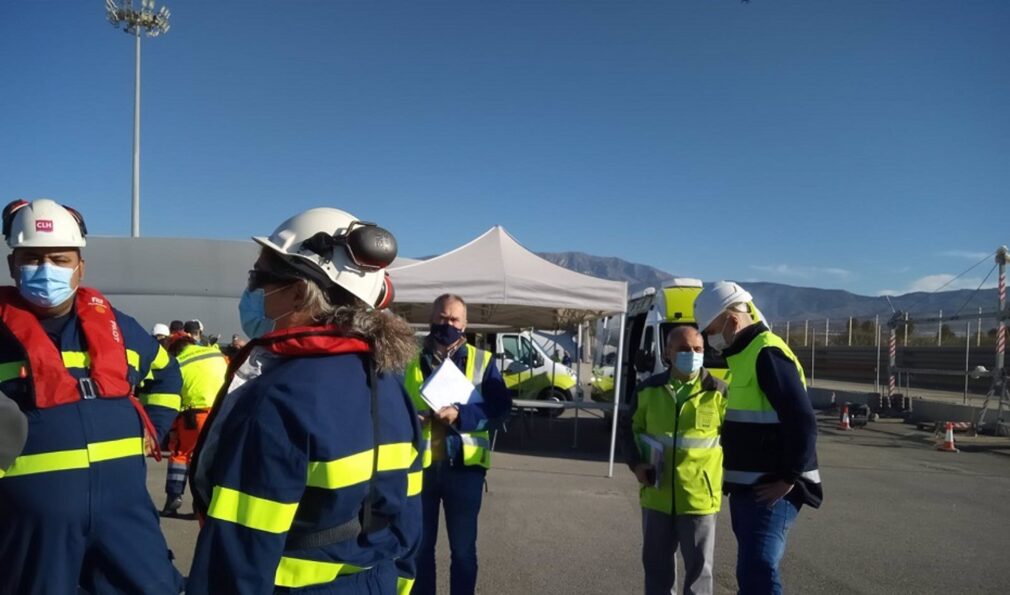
<point>856,144</point>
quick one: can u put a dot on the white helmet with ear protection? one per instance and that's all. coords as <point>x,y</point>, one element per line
<point>333,247</point>
<point>42,223</point>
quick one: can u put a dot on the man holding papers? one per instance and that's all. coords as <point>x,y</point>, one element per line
<point>671,442</point>
<point>458,392</point>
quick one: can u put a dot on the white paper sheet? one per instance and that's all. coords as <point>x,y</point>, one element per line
<point>448,386</point>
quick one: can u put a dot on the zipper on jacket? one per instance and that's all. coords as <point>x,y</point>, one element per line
<point>673,461</point>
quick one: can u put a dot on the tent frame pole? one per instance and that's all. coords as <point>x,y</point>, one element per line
<point>617,393</point>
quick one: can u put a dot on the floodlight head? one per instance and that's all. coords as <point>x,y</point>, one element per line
<point>134,19</point>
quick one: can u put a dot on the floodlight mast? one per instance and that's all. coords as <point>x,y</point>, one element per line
<point>154,23</point>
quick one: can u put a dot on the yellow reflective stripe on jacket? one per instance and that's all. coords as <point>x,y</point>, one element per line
<point>357,468</point>
<point>71,359</point>
<point>169,400</point>
<point>78,458</point>
<point>414,482</point>
<point>161,360</point>
<point>244,509</point>
<point>82,359</point>
<point>11,370</point>
<point>296,572</point>
<point>115,449</point>
<point>396,455</point>
<point>342,472</point>
<point>404,585</point>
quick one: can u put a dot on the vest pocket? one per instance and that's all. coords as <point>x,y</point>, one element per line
<point>708,483</point>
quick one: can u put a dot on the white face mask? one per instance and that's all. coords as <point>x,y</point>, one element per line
<point>717,341</point>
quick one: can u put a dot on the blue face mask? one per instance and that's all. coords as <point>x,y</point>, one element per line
<point>46,285</point>
<point>688,362</point>
<point>252,313</point>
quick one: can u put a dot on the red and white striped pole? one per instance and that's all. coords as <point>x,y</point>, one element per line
<point>892,359</point>
<point>1001,260</point>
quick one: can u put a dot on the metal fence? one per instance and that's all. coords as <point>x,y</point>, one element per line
<point>977,328</point>
<point>937,355</point>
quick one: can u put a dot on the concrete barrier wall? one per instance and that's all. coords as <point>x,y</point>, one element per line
<point>922,410</point>
<point>821,398</point>
<point>930,411</point>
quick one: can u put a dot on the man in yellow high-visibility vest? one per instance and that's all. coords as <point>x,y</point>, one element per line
<point>769,436</point>
<point>670,438</point>
<point>458,446</point>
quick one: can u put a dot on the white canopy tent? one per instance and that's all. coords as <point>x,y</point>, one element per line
<point>507,286</point>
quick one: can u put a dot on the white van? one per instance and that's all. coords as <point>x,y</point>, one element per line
<point>528,370</point>
<point>651,315</point>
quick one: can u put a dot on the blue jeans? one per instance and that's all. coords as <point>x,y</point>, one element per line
<point>761,541</point>
<point>459,490</point>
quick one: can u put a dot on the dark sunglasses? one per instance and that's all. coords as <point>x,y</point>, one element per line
<point>259,279</point>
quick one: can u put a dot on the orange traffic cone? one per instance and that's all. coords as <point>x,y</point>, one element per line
<point>948,440</point>
<point>844,423</point>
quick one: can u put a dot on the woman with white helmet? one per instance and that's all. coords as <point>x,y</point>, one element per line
<point>307,472</point>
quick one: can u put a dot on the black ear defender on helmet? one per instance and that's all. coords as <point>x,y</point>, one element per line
<point>8,215</point>
<point>369,246</point>
<point>79,219</point>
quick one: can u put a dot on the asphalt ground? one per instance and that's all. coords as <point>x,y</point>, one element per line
<point>898,517</point>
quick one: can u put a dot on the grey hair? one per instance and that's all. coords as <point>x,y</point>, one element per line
<point>448,297</point>
<point>391,338</point>
<point>317,304</point>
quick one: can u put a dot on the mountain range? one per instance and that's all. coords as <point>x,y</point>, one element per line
<point>781,302</point>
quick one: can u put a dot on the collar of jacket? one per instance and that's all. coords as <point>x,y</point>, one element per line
<point>303,341</point>
<point>707,381</point>
<point>743,339</point>
<point>430,359</point>
<point>710,382</point>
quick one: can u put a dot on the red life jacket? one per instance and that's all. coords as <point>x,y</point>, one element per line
<point>51,382</point>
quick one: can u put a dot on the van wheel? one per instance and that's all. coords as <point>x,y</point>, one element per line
<point>556,395</point>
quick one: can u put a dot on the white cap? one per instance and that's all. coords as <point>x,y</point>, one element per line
<point>43,223</point>
<point>315,242</point>
<point>715,298</point>
<point>160,329</point>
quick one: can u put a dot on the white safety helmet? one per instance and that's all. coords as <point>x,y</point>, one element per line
<point>160,330</point>
<point>714,299</point>
<point>333,247</point>
<point>42,223</point>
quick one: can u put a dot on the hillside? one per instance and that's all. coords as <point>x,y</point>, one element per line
<point>786,302</point>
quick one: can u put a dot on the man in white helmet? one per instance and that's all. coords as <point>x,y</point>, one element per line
<point>74,506</point>
<point>769,435</point>
<point>160,332</point>
<point>308,472</point>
